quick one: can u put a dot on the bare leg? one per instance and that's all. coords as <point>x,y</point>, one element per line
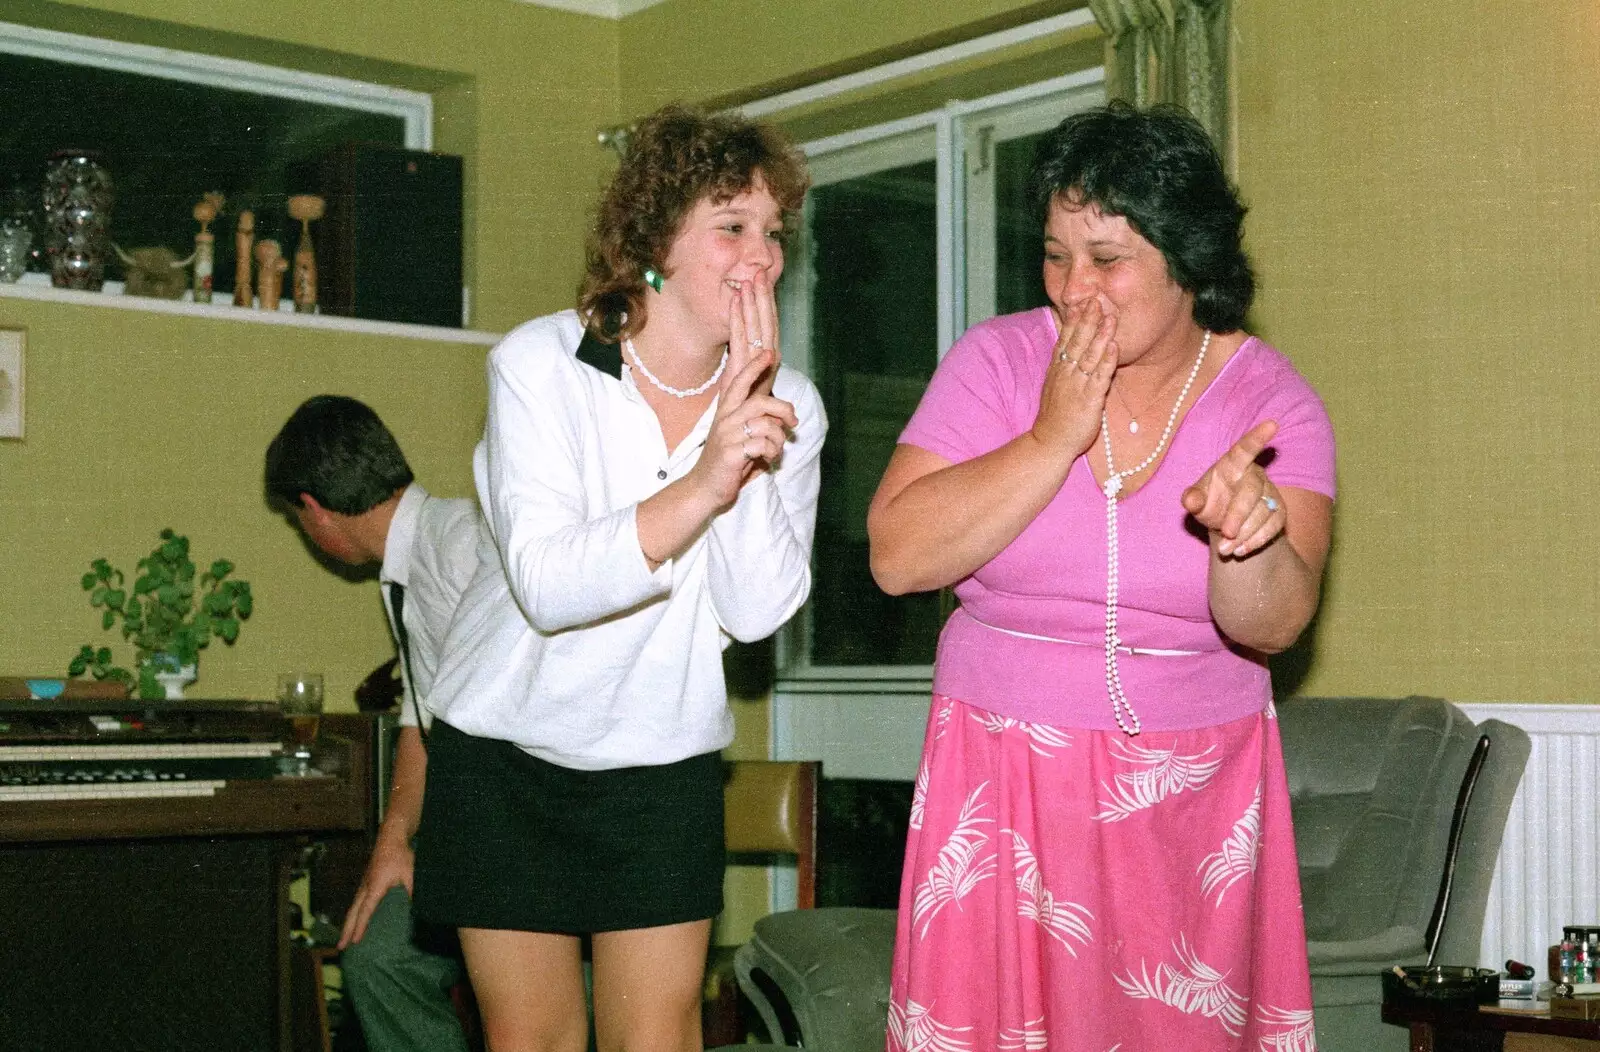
<point>647,987</point>
<point>529,987</point>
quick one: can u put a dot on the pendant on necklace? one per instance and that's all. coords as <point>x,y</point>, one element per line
<point>1133,427</point>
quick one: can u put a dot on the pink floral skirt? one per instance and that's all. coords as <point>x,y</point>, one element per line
<point>1083,891</point>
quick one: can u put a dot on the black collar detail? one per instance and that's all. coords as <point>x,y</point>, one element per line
<point>606,357</point>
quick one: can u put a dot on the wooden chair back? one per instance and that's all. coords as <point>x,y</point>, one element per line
<point>771,809</point>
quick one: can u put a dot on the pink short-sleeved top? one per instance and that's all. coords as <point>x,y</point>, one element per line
<point>1051,580</point>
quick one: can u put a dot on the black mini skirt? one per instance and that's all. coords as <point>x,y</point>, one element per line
<point>509,841</point>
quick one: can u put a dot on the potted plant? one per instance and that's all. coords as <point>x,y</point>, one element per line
<point>168,616</point>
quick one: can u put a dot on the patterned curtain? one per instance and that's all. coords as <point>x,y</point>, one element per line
<point>1169,51</point>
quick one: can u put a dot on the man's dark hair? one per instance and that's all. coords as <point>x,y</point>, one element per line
<point>1159,170</point>
<point>337,450</point>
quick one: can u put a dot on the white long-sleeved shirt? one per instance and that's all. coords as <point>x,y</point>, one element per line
<point>566,643</point>
<point>431,550</point>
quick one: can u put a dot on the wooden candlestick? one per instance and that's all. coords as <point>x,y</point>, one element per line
<point>243,235</point>
<point>270,266</point>
<point>305,207</point>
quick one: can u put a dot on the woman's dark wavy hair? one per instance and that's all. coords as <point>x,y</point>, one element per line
<point>1158,169</point>
<point>675,158</point>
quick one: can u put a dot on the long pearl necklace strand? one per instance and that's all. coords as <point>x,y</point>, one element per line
<point>1113,486</point>
<point>676,392</point>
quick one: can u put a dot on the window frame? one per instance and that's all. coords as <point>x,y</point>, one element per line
<point>414,108</point>
<point>840,157</point>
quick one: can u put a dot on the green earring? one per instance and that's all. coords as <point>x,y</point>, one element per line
<point>653,279</point>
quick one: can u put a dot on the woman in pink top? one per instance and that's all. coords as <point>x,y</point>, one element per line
<point>1132,498</point>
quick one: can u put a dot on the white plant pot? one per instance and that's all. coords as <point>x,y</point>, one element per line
<point>174,682</point>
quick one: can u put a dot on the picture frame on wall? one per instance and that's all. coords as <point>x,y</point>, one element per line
<point>12,355</point>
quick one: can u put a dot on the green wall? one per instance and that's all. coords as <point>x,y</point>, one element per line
<point>736,50</point>
<point>138,421</point>
<point>1424,179</point>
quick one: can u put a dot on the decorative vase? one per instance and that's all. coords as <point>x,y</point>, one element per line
<point>77,214</point>
<point>15,239</point>
<point>21,248</point>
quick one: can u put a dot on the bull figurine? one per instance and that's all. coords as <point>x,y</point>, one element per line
<point>155,271</point>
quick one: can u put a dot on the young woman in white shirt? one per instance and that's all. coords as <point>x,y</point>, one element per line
<point>649,472</point>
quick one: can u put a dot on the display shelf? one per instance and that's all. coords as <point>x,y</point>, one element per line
<point>31,287</point>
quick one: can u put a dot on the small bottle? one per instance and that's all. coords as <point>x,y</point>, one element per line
<point>1583,965</point>
<point>1569,961</point>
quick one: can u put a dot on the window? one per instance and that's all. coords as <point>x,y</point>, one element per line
<point>913,231</point>
<point>170,126</point>
<point>916,228</point>
<point>866,298</point>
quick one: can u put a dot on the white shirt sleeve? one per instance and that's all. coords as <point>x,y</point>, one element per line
<point>564,567</point>
<point>759,566</point>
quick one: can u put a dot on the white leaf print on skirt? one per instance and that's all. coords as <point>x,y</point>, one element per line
<point>966,859</point>
<point>1160,773</point>
<point>1191,986</point>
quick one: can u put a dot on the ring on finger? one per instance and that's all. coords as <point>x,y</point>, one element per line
<point>747,432</point>
<point>756,344</point>
<point>1271,503</point>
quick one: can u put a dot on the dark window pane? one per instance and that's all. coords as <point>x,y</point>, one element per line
<point>1019,239</point>
<point>874,346</point>
<point>861,830</point>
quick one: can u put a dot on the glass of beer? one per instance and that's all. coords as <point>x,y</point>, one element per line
<point>300,698</point>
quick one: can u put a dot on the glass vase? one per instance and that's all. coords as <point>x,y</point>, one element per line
<point>77,219</point>
<point>14,241</point>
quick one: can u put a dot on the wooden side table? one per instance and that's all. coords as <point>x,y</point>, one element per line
<point>1487,1030</point>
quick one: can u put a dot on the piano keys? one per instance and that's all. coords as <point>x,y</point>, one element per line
<point>110,770</point>
<point>145,855</point>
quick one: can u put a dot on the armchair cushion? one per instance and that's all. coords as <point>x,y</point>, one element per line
<point>1371,784</point>
<point>1367,955</point>
<point>831,966</point>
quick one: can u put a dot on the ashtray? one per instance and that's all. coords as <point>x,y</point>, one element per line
<point>1441,985</point>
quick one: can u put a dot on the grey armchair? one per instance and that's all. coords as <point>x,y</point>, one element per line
<point>1372,784</point>
<point>820,978</point>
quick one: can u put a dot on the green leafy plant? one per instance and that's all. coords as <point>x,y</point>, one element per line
<point>168,616</point>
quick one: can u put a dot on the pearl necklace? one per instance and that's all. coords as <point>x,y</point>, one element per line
<point>1113,486</point>
<point>676,392</point>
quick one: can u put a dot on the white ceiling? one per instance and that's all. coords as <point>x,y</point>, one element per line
<point>598,8</point>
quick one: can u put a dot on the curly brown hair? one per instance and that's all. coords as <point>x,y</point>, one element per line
<point>675,158</point>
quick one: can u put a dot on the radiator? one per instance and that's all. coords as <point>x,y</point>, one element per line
<point>1548,873</point>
